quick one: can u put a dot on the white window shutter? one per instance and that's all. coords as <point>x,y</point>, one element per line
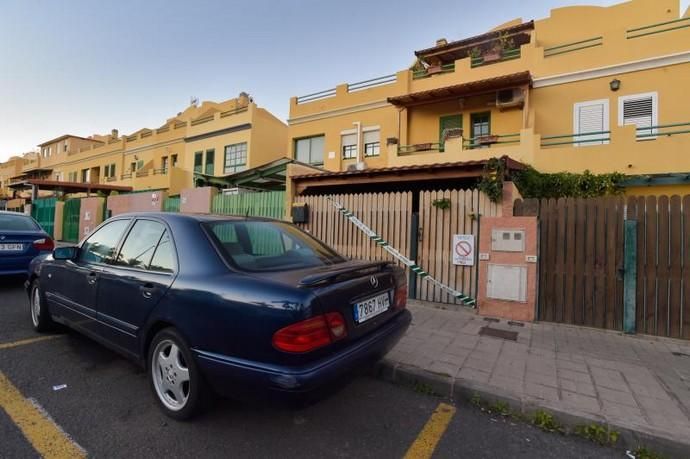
<point>591,117</point>
<point>372,136</point>
<point>639,110</point>
<point>349,139</point>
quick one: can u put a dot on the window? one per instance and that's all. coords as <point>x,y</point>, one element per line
<point>235,158</point>
<point>269,246</point>
<point>137,250</point>
<point>173,159</point>
<point>310,150</point>
<point>480,124</point>
<point>372,143</point>
<point>109,170</point>
<point>17,222</point>
<point>72,177</point>
<point>349,146</point>
<point>133,166</point>
<point>100,246</point>
<point>640,110</point>
<point>591,123</point>
<point>85,175</point>
<point>210,158</point>
<point>140,164</point>
<point>164,164</point>
<point>163,258</point>
<point>198,161</point>
<point>58,176</point>
<point>64,146</point>
<point>445,123</point>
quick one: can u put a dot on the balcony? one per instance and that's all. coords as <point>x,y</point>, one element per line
<point>172,179</point>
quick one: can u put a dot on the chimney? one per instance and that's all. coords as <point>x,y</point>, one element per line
<point>243,99</point>
<point>114,133</point>
<point>441,42</point>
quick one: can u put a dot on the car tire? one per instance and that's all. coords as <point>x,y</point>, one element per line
<point>176,382</point>
<point>38,309</point>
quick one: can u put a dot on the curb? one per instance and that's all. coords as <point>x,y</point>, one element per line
<point>631,436</point>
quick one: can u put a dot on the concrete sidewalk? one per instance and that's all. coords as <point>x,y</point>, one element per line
<point>638,385</point>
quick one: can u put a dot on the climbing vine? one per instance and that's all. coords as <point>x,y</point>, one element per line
<point>534,184</point>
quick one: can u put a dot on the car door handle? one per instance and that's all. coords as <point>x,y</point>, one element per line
<point>147,290</point>
<point>92,277</point>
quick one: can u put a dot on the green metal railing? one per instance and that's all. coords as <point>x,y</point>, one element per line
<point>262,204</point>
<point>506,55</point>
<point>171,204</point>
<point>43,211</point>
<point>503,139</point>
<point>424,73</point>
<point>649,29</point>
<point>662,129</point>
<point>574,46</point>
<point>582,138</point>
<point>419,148</point>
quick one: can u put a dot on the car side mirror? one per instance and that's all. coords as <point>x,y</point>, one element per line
<point>66,253</point>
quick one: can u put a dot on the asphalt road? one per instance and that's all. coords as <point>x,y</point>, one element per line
<point>108,410</point>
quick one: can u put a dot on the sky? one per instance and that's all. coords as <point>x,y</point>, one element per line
<point>86,66</point>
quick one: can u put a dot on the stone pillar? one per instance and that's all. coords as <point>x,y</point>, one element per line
<point>508,267</point>
<point>90,215</point>
<point>59,215</point>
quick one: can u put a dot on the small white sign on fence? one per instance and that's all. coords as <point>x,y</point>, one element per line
<point>463,249</point>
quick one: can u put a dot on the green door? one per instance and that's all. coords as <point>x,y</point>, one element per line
<point>448,122</point>
<point>43,211</point>
<point>70,220</point>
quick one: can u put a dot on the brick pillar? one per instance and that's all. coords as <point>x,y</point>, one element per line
<point>197,200</point>
<point>90,215</point>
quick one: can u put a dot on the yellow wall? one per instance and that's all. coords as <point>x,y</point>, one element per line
<point>199,127</point>
<point>658,62</point>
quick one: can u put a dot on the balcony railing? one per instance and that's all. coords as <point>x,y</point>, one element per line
<point>419,148</point>
<point>434,70</point>
<point>491,139</point>
<point>161,171</point>
<point>661,27</point>
<point>143,173</point>
<point>126,176</point>
<point>663,129</point>
<point>574,46</point>
<point>586,138</point>
<point>505,55</point>
<point>316,96</point>
<point>373,82</point>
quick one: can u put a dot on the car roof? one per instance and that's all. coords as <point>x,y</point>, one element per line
<point>174,216</point>
<point>18,214</point>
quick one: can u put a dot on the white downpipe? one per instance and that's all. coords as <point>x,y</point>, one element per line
<point>358,126</point>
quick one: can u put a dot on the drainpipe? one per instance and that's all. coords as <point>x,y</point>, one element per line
<point>359,134</point>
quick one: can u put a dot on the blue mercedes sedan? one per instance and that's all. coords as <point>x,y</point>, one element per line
<point>232,305</point>
<point>21,239</point>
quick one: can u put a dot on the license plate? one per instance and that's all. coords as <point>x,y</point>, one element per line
<point>371,307</point>
<point>11,247</point>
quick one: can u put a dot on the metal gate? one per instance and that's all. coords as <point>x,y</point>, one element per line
<point>582,253</point>
<point>43,211</point>
<point>70,220</point>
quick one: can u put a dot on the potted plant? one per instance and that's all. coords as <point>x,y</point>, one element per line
<point>487,139</point>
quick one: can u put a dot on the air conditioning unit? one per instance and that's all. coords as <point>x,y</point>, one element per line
<point>510,98</point>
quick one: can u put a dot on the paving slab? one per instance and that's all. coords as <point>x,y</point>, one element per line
<point>636,384</point>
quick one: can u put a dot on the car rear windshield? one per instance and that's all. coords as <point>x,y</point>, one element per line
<point>269,246</point>
<point>10,222</point>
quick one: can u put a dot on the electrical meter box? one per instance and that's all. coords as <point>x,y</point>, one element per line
<point>507,282</point>
<point>507,240</point>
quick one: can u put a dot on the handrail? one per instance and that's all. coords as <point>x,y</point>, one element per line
<point>577,140</point>
<point>506,55</point>
<point>316,96</point>
<point>205,119</point>
<point>419,147</point>
<point>548,52</point>
<point>386,79</point>
<point>424,73</point>
<point>653,26</point>
<point>656,133</point>
<point>472,142</point>
<point>234,111</point>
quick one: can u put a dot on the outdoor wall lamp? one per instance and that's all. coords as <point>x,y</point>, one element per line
<point>615,84</point>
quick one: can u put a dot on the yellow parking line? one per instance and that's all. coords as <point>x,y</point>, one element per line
<point>47,438</point>
<point>22,342</point>
<point>428,438</point>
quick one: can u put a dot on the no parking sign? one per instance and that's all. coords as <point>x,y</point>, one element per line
<point>463,249</point>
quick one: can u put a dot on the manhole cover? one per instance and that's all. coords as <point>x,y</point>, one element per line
<point>496,333</point>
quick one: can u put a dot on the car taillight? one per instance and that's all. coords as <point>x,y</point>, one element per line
<point>311,334</point>
<point>45,243</point>
<point>400,298</point>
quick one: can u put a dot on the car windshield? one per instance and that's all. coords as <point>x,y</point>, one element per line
<point>20,222</point>
<point>269,246</point>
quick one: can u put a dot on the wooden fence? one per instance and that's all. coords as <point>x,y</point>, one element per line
<point>581,261</point>
<point>437,227</point>
<point>389,214</point>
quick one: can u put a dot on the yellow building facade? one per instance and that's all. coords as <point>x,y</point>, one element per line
<point>204,140</point>
<point>587,88</point>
